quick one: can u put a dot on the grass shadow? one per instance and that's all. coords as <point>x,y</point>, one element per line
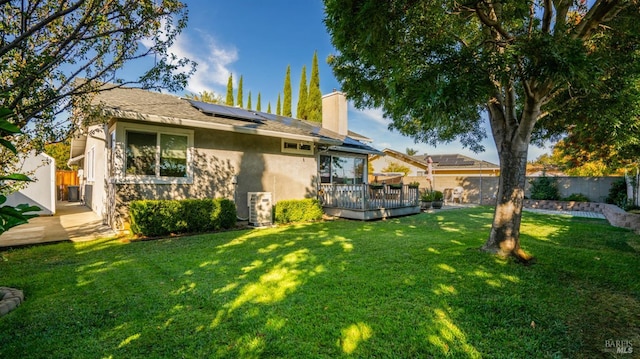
<point>414,286</point>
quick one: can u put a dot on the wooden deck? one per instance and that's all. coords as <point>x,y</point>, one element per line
<point>367,202</point>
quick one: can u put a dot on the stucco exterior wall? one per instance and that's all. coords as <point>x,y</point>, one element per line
<point>380,163</point>
<point>486,187</point>
<point>93,185</point>
<point>229,165</point>
<point>42,192</point>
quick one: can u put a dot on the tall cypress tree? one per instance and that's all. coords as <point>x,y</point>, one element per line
<point>259,105</point>
<point>278,108</point>
<point>286,105</point>
<point>314,101</point>
<point>269,107</point>
<point>301,109</point>
<point>240,100</point>
<point>229,101</point>
<point>249,101</point>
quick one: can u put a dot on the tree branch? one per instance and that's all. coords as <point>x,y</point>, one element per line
<point>601,11</point>
<point>39,26</point>
<point>492,20</point>
<point>547,16</point>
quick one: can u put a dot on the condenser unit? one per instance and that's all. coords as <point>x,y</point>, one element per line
<point>260,206</point>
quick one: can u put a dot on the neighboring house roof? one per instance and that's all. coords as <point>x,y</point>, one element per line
<point>148,106</point>
<point>443,161</point>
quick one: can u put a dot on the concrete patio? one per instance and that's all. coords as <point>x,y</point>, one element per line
<point>72,222</point>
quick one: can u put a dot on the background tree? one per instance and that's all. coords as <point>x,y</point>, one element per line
<point>240,96</point>
<point>278,107</point>
<point>269,107</point>
<point>60,151</point>
<point>259,105</point>
<point>602,129</point>
<point>286,103</point>
<point>301,108</point>
<point>396,167</point>
<point>55,55</point>
<point>205,96</point>
<point>314,100</point>
<point>435,67</point>
<point>411,151</point>
<point>229,101</point>
<point>45,46</point>
<point>249,101</point>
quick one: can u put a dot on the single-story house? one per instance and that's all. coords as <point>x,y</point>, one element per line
<point>442,165</point>
<point>147,145</point>
<point>449,172</point>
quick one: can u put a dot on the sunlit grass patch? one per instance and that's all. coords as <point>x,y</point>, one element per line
<point>414,286</point>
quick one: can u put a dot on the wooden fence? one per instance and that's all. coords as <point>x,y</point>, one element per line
<point>64,179</point>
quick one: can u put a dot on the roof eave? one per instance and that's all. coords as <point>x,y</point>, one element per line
<point>130,115</point>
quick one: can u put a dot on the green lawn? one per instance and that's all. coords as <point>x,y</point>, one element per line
<point>413,287</point>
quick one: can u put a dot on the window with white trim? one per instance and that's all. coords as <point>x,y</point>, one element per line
<point>341,169</point>
<point>156,153</point>
<point>300,147</point>
<point>91,164</point>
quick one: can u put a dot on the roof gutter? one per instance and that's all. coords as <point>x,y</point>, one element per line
<point>363,151</point>
<point>74,160</point>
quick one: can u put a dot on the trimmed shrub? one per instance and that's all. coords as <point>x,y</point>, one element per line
<point>163,217</point>
<point>577,197</point>
<point>224,214</point>
<point>544,188</point>
<point>618,193</point>
<point>299,210</point>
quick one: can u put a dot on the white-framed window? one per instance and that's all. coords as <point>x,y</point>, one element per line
<point>340,169</point>
<point>112,152</point>
<point>91,164</point>
<point>155,153</point>
<point>299,147</point>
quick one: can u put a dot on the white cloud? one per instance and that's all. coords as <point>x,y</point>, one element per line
<point>213,60</point>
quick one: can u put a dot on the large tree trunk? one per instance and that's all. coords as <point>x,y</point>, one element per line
<point>504,239</point>
<point>512,139</point>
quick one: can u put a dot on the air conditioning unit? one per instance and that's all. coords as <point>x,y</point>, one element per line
<point>260,207</point>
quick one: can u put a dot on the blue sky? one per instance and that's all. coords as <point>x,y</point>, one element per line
<point>258,39</point>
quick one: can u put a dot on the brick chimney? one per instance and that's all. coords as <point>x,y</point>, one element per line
<point>334,112</point>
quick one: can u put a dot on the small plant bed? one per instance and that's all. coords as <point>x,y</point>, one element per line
<point>413,286</point>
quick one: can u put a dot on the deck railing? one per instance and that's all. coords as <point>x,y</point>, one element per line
<point>366,196</point>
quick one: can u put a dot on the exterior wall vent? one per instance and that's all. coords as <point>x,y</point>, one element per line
<point>260,207</point>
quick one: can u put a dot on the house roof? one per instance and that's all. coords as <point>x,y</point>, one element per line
<point>148,106</point>
<point>443,161</point>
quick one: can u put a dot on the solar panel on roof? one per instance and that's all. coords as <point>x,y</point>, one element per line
<point>292,122</point>
<point>226,111</point>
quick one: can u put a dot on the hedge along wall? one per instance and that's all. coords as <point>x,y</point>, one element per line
<point>595,188</point>
<point>163,217</point>
<point>303,210</point>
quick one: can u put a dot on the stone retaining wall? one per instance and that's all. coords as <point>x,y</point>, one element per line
<point>565,205</point>
<point>614,214</point>
<point>619,218</point>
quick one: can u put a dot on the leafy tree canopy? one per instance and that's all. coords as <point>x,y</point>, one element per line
<point>436,68</point>
<point>397,167</point>
<point>45,46</point>
<point>205,96</point>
